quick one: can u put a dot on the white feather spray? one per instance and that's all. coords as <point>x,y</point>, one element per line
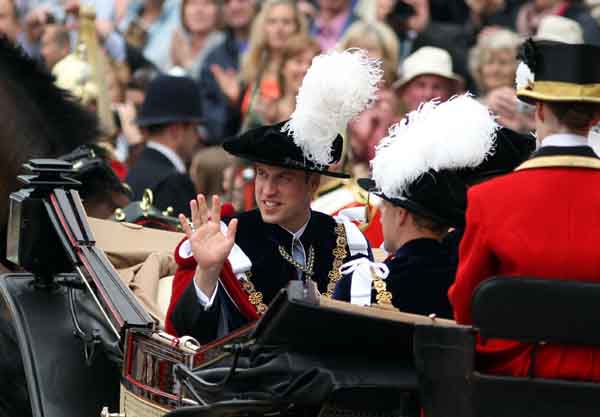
<point>458,133</point>
<point>524,77</point>
<point>337,87</point>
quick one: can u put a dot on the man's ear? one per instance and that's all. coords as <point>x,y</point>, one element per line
<point>314,181</point>
<point>175,131</point>
<point>540,108</point>
<point>401,215</point>
<point>595,120</point>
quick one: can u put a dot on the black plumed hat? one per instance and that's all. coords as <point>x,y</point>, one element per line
<point>336,88</point>
<point>270,145</point>
<point>510,150</point>
<point>440,196</point>
<point>170,99</point>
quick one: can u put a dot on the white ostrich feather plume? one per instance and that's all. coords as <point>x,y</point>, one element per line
<point>337,87</point>
<point>524,76</point>
<point>455,134</point>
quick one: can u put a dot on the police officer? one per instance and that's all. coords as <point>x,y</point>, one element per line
<point>169,119</point>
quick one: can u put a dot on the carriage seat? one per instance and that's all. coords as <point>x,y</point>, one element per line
<point>527,310</point>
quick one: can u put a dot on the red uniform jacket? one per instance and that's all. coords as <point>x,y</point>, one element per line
<point>540,222</point>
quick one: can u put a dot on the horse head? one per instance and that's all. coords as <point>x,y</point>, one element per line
<point>38,119</point>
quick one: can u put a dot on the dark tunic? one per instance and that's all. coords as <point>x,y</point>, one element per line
<point>153,170</point>
<point>420,274</point>
<point>270,272</point>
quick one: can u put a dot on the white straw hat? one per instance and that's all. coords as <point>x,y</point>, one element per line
<point>427,60</point>
<point>559,29</point>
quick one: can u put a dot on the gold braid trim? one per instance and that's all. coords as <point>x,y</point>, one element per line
<point>255,297</point>
<point>339,254</point>
<point>566,161</point>
<point>383,297</point>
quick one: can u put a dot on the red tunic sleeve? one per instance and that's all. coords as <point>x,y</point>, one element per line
<point>186,268</point>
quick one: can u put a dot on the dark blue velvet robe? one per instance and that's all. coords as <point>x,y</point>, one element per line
<point>270,273</point>
<point>421,272</point>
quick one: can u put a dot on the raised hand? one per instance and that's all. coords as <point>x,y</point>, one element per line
<point>228,82</point>
<point>209,245</point>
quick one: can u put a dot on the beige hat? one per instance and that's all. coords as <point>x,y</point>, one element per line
<point>427,60</point>
<point>559,29</point>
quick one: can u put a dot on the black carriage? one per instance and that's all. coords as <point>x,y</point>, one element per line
<point>76,340</point>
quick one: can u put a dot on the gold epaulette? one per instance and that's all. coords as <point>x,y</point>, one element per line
<point>360,195</point>
<point>564,161</point>
<point>329,186</point>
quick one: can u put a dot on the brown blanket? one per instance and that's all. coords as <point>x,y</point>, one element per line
<point>140,255</point>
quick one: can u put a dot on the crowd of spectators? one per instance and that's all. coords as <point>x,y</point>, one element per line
<point>248,57</point>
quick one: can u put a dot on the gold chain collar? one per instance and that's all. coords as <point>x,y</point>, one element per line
<point>255,297</point>
<point>339,254</point>
<point>383,296</point>
<point>309,268</point>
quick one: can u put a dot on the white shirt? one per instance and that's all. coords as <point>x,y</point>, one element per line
<point>168,153</point>
<point>297,235</point>
<point>565,139</point>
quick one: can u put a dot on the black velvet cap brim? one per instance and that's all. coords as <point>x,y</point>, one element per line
<point>446,213</point>
<point>268,145</point>
<point>511,149</point>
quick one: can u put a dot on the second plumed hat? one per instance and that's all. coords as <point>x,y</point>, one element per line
<point>416,166</point>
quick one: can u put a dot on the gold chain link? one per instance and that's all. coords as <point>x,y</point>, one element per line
<point>339,254</point>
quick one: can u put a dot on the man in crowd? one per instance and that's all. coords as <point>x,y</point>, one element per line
<point>169,119</point>
<point>427,74</point>
<point>542,220</point>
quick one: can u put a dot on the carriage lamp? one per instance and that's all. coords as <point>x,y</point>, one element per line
<point>32,242</point>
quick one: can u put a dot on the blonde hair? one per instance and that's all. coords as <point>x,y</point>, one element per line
<point>258,53</point>
<point>501,39</point>
<point>385,39</point>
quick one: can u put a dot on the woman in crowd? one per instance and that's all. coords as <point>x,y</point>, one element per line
<point>493,63</point>
<point>148,27</point>
<point>297,57</point>
<point>380,42</point>
<point>277,21</point>
<point>197,35</point>
<point>258,81</point>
